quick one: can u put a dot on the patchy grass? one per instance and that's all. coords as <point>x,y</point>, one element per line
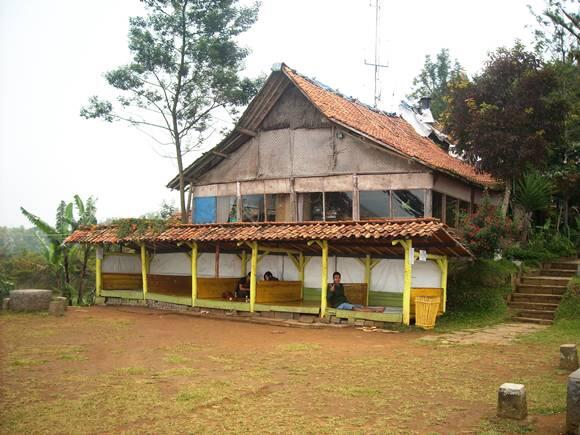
<point>176,359</point>
<point>298,347</point>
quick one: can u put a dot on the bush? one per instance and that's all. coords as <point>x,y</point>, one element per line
<point>486,231</point>
<point>569,308</point>
<point>544,245</point>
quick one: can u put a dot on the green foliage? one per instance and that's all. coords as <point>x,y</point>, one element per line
<point>486,231</point>
<point>544,244</point>
<point>185,66</point>
<point>24,270</point>
<point>533,191</point>
<point>433,80</point>
<point>18,240</point>
<point>569,308</point>
<point>476,294</point>
<point>140,226</point>
<point>507,118</point>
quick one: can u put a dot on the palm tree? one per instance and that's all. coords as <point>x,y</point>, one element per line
<point>533,193</point>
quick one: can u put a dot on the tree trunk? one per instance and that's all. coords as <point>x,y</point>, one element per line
<point>67,280</point>
<point>506,198</point>
<point>82,276</point>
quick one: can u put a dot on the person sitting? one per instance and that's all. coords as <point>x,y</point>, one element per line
<point>243,287</point>
<point>337,299</point>
<point>269,277</point>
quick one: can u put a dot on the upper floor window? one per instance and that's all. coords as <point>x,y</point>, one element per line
<point>338,206</point>
<point>408,203</point>
<point>374,204</point>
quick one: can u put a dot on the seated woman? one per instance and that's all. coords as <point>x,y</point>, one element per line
<point>269,277</point>
<point>337,299</point>
<point>243,287</point>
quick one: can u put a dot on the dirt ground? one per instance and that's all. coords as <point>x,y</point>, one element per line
<point>132,370</point>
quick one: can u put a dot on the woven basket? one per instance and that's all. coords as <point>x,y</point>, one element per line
<point>426,308</point>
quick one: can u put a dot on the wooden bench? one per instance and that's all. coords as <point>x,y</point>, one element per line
<point>172,284</point>
<point>268,292</point>
<point>122,281</point>
<point>356,293</point>
<point>438,292</point>
<point>214,288</point>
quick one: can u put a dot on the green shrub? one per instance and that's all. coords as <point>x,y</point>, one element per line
<point>569,307</point>
<point>544,245</point>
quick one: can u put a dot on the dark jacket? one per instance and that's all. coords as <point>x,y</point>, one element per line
<point>336,297</point>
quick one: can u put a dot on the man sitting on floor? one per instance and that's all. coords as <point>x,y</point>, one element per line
<point>337,299</point>
<point>243,287</point>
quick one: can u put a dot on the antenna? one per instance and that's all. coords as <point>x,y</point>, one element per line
<point>376,63</point>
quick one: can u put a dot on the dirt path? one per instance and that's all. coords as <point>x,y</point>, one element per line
<point>121,369</point>
<point>502,334</point>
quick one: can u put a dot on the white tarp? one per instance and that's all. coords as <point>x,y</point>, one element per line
<point>230,265</point>
<point>170,264</point>
<point>117,263</point>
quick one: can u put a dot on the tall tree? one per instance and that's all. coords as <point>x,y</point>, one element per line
<point>434,79</point>
<point>506,119</point>
<point>185,67</point>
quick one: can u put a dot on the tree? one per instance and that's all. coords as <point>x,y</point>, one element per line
<point>507,119</point>
<point>58,255</point>
<point>558,31</point>
<point>433,80</point>
<point>185,66</point>
<point>533,193</point>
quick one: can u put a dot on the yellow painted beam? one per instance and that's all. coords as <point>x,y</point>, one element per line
<point>193,273</point>
<point>323,277</point>
<point>301,267</point>
<point>254,271</point>
<point>294,261</point>
<point>99,276</point>
<point>407,245</point>
<point>144,269</point>
<point>281,250</point>
<point>368,268</point>
<point>443,264</point>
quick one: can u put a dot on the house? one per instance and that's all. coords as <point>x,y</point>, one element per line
<point>309,182</point>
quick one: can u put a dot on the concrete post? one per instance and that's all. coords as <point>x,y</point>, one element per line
<point>512,402</point>
<point>573,404</point>
<point>568,357</point>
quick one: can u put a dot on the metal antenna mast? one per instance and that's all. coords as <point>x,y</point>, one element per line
<point>376,63</point>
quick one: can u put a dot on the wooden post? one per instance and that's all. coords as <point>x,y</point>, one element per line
<point>244,263</point>
<point>444,268</point>
<point>407,245</point>
<point>217,260</point>
<point>301,267</point>
<point>144,267</point>
<point>368,268</point>
<point>323,277</point>
<point>99,271</point>
<point>193,273</point>
<point>254,271</point>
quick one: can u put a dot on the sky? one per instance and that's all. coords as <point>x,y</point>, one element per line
<point>53,55</point>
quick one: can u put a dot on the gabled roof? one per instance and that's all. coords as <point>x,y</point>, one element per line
<point>346,237</point>
<point>387,130</point>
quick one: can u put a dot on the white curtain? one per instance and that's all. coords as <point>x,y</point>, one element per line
<point>178,263</point>
<point>113,263</point>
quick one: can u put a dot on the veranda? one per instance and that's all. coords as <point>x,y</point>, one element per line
<point>196,265</point>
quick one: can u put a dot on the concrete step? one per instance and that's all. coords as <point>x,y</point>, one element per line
<point>563,273</point>
<point>546,280</point>
<point>528,305</point>
<point>536,298</point>
<point>531,320</point>
<point>562,265</point>
<point>536,314</point>
<point>540,289</point>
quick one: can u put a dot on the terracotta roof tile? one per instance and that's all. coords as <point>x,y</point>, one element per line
<point>392,131</point>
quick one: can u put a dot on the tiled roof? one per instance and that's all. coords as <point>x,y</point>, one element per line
<point>378,233</point>
<point>391,131</point>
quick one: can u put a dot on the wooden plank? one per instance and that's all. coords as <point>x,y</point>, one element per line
<point>211,288</point>
<point>222,304</point>
<point>369,315</point>
<point>171,299</point>
<point>306,309</point>
<point>122,281</point>
<point>169,283</point>
<point>123,294</point>
<point>356,293</point>
<point>278,291</point>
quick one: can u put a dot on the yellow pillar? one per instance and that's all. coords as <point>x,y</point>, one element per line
<point>368,268</point>
<point>324,277</point>
<point>254,271</point>
<point>144,267</point>
<point>193,273</point>
<point>99,275</point>
<point>444,268</point>
<point>301,267</point>
<point>407,245</point>
<point>244,263</point>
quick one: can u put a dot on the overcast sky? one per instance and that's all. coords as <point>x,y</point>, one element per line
<point>53,55</point>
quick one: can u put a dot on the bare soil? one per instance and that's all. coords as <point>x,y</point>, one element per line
<point>132,370</point>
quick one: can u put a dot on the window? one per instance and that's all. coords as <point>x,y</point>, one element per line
<point>374,204</point>
<point>205,210</point>
<point>408,203</point>
<point>253,208</point>
<point>338,206</point>
<point>312,206</point>
<point>278,207</point>
<point>451,211</point>
<point>437,208</point>
<point>226,209</point>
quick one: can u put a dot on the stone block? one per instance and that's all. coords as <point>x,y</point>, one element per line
<point>30,300</point>
<point>359,322</point>
<point>283,316</point>
<point>305,318</point>
<point>568,357</point>
<point>335,320</point>
<point>512,402</point>
<point>100,300</point>
<point>5,304</point>
<point>57,306</point>
<point>325,319</point>
<point>268,314</point>
<point>573,404</point>
<point>369,323</point>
